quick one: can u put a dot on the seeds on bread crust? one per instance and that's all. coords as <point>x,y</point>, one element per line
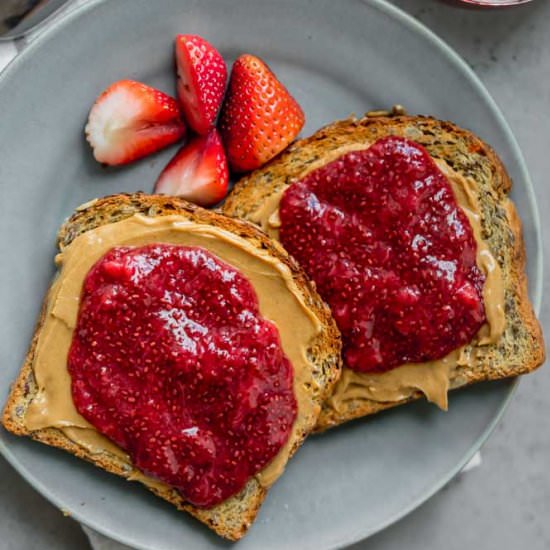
<point>232,518</point>
<point>521,347</point>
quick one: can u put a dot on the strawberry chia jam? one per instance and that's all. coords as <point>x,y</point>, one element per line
<point>172,360</point>
<point>381,234</point>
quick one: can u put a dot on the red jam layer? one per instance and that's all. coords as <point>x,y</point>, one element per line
<point>381,234</point>
<point>172,360</point>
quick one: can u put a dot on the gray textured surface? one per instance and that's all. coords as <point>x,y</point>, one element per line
<point>506,502</point>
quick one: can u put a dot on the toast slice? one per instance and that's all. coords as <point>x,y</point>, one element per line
<point>232,518</point>
<point>520,348</point>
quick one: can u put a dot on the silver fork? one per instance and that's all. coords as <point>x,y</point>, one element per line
<point>19,17</point>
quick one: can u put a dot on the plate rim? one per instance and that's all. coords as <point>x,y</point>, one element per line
<point>51,26</point>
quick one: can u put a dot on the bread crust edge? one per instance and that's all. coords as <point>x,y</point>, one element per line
<point>121,206</point>
<point>246,192</point>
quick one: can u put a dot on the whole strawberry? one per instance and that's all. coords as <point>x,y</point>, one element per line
<point>259,116</point>
<point>201,81</point>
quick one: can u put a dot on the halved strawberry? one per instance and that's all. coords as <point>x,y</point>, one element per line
<point>259,117</point>
<point>198,172</point>
<point>201,81</point>
<point>130,120</point>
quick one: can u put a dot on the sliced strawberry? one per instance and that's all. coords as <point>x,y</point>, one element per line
<point>201,81</point>
<point>198,172</point>
<point>259,117</point>
<point>130,120</point>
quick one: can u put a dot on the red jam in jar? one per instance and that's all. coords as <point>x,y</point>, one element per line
<point>391,252</point>
<point>172,360</point>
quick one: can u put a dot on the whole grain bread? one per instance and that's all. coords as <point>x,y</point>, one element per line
<point>521,348</point>
<point>232,518</point>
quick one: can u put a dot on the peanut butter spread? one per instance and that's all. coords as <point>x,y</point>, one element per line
<point>280,301</point>
<point>432,378</point>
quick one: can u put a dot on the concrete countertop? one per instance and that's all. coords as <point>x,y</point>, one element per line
<point>504,503</point>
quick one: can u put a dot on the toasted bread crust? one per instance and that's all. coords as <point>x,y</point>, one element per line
<point>521,348</point>
<point>232,518</point>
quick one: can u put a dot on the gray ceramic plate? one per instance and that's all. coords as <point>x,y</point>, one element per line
<point>337,58</point>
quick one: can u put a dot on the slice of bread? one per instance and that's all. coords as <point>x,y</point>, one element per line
<point>520,349</point>
<point>232,518</point>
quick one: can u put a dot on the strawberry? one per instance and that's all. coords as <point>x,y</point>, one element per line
<point>259,117</point>
<point>198,172</point>
<point>130,120</point>
<point>201,81</point>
